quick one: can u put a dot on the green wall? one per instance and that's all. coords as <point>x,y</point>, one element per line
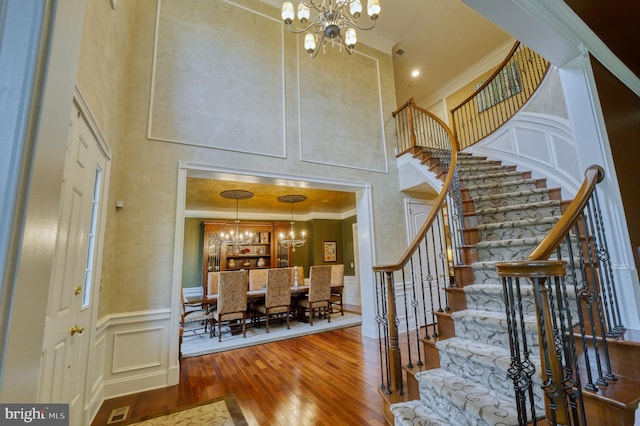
<point>192,253</point>
<point>317,231</point>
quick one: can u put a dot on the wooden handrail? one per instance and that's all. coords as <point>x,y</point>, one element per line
<point>491,77</point>
<point>471,124</point>
<point>437,206</point>
<point>593,175</point>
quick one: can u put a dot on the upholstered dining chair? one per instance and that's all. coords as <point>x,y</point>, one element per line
<point>212,282</point>
<point>337,286</point>
<point>232,301</point>
<point>319,297</point>
<point>194,312</point>
<point>257,279</point>
<point>277,299</point>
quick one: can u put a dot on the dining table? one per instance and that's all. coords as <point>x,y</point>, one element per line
<point>256,295</point>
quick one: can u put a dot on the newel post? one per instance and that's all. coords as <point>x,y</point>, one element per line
<point>395,363</point>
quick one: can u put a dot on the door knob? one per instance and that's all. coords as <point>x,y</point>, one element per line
<point>77,290</point>
<point>77,329</point>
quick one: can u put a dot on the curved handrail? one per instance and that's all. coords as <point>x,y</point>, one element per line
<point>491,77</point>
<point>500,97</point>
<point>593,175</point>
<point>437,206</point>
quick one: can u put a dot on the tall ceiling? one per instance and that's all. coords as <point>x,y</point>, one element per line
<point>440,38</point>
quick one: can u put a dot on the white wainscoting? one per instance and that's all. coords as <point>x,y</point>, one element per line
<point>351,292</point>
<point>542,144</point>
<point>134,349</point>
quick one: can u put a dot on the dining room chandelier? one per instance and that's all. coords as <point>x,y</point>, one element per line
<point>335,20</point>
<point>290,240</point>
<point>234,239</point>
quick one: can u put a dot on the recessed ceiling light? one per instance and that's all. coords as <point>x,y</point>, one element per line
<point>415,73</point>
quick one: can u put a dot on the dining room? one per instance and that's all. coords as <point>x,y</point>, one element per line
<point>257,228</point>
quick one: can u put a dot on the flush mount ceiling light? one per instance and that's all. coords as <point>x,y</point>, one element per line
<point>334,19</point>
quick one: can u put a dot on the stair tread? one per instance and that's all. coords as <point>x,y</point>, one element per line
<point>470,398</point>
<point>406,413</point>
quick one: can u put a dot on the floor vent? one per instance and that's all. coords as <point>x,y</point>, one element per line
<point>118,415</point>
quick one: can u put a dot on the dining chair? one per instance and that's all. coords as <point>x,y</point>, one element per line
<point>194,313</point>
<point>319,296</point>
<point>257,279</point>
<point>232,301</point>
<point>299,276</point>
<point>212,283</point>
<point>337,286</point>
<point>277,298</point>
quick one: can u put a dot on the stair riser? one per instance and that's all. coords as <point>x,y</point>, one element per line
<point>494,333</point>
<point>472,171</point>
<point>525,198</point>
<point>513,252</point>
<point>490,373</point>
<point>517,214</point>
<point>486,179</point>
<point>514,232</point>
<point>493,301</point>
<point>502,188</point>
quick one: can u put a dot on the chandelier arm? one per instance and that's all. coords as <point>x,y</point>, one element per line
<point>311,4</point>
<point>313,55</point>
<point>347,17</point>
<point>315,23</point>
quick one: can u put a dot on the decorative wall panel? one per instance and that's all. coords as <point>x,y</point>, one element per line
<point>215,83</point>
<point>149,343</point>
<point>341,120</point>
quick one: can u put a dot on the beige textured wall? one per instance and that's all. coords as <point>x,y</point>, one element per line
<point>102,78</point>
<point>144,174</point>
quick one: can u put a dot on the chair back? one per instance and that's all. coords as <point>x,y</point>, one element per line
<point>257,279</point>
<point>212,283</point>
<point>320,283</point>
<point>232,292</point>
<point>337,275</point>
<point>299,276</point>
<point>278,287</point>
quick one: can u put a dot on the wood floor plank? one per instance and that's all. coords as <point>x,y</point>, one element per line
<point>329,378</point>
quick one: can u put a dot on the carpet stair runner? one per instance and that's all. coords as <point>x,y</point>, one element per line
<point>471,386</point>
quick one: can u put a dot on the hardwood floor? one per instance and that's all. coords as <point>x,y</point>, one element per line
<point>328,378</point>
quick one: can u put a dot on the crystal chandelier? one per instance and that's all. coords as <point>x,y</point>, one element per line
<point>236,239</point>
<point>335,19</point>
<point>291,240</point>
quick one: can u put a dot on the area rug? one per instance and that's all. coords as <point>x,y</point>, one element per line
<point>222,411</point>
<point>201,344</point>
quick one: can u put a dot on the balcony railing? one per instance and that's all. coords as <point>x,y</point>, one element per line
<point>499,98</point>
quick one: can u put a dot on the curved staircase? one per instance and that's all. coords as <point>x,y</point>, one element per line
<point>465,380</point>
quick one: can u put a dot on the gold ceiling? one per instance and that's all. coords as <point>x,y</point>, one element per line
<point>204,195</point>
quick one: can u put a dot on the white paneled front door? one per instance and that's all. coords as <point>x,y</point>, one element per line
<point>68,329</point>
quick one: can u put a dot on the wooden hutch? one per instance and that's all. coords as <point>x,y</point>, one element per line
<point>263,250</point>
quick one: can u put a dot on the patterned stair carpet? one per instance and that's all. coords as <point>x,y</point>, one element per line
<point>472,386</point>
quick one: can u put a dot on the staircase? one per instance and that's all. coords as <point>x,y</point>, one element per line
<point>465,380</point>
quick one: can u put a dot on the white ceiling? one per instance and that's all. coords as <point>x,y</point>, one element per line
<point>441,38</point>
